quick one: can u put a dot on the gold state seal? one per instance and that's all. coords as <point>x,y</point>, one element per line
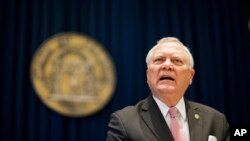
<point>73,75</point>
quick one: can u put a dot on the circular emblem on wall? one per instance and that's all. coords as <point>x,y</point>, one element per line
<point>73,75</point>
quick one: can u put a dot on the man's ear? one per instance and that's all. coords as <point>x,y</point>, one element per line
<point>147,74</point>
<point>192,72</point>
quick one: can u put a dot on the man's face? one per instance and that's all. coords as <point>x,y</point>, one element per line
<point>168,70</point>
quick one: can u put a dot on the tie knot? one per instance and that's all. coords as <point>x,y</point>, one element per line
<point>173,112</point>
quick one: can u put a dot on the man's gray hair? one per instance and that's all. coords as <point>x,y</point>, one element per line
<point>171,39</point>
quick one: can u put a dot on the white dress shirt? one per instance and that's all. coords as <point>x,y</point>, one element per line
<point>183,121</point>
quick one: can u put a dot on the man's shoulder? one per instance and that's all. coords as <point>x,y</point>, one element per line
<point>203,108</point>
<point>131,109</point>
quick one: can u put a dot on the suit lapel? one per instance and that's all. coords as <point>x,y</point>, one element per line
<point>194,121</point>
<point>153,118</point>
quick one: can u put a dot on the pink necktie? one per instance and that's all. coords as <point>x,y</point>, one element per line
<point>174,124</point>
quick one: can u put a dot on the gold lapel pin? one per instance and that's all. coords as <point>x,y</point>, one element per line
<point>196,116</point>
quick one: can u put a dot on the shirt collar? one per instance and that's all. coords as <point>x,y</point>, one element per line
<point>164,108</point>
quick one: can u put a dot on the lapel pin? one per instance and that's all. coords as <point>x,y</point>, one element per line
<point>196,116</point>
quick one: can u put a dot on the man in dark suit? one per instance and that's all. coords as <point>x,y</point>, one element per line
<point>169,73</point>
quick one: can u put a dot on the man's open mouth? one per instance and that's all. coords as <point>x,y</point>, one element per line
<point>167,78</point>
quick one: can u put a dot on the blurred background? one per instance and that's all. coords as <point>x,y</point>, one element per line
<point>216,31</point>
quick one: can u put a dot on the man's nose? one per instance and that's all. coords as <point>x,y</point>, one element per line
<point>167,65</point>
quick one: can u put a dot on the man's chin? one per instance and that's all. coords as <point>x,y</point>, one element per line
<point>167,89</point>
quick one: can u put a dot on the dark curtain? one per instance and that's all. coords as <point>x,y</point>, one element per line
<point>216,31</point>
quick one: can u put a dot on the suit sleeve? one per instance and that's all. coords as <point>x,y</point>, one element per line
<point>116,130</point>
<point>226,129</point>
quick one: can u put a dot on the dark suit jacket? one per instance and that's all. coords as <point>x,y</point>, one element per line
<point>144,122</point>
